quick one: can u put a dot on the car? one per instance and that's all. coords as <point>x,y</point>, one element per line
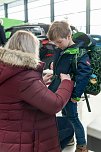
<point>44,26</point>
<point>97,39</point>
<point>35,29</point>
<point>40,30</point>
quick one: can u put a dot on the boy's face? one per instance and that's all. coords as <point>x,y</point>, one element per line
<point>62,43</point>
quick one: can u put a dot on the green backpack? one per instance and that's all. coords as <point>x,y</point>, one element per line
<point>86,44</point>
<point>94,85</point>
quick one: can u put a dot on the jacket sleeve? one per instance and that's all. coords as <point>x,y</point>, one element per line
<point>36,93</point>
<point>83,73</point>
<point>2,35</point>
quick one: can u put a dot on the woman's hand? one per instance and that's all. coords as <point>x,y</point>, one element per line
<point>73,100</point>
<point>65,76</point>
<point>51,66</point>
<point>47,78</point>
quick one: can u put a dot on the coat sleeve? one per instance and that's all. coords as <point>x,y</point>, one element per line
<point>36,93</point>
<point>83,74</point>
<point>2,35</point>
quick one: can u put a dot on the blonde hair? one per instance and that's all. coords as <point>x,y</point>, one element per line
<point>59,29</point>
<point>24,41</point>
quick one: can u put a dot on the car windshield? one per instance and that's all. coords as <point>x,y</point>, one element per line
<point>97,38</point>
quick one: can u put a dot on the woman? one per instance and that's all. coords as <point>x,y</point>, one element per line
<point>27,107</point>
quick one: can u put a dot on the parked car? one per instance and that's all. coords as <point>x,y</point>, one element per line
<point>35,29</point>
<point>44,26</point>
<point>97,39</point>
<point>40,30</point>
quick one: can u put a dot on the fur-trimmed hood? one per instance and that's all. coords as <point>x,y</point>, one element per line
<point>14,61</point>
<point>18,58</point>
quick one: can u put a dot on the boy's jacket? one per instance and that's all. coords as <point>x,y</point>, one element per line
<point>63,63</point>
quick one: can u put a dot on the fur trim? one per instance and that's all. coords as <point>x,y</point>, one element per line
<point>18,58</point>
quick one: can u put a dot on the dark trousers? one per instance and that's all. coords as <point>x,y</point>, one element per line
<point>65,130</point>
<point>70,111</point>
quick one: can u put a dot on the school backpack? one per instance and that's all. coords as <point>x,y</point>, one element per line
<point>88,45</point>
<point>46,52</point>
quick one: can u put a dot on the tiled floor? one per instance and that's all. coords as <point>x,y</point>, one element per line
<point>85,116</point>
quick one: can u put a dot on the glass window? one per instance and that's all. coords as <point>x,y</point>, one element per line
<point>37,3</point>
<point>95,17</point>
<point>95,29</point>
<point>69,6</point>
<point>41,20</point>
<point>2,14</point>
<point>16,9</point>
<point>15,3</point>
<point>39,12</point>
<point>77,19</point>
<point>95,23</point>
<point>95,4</point>
<point>68,10</point>
<point>16,15</point>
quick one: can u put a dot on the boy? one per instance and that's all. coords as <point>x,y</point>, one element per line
<point>60,33</point>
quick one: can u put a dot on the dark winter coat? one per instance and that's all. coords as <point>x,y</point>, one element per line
<point>27,107</point>
<point>63,63</point>
<point>2,36</point>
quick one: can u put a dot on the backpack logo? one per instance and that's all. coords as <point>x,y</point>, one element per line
<point>88,62</point>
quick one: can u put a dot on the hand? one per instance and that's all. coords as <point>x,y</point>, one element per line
<point>65,76</point>
<point>51,66</point>
<point>73,100</point>
<point>47,78</point>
